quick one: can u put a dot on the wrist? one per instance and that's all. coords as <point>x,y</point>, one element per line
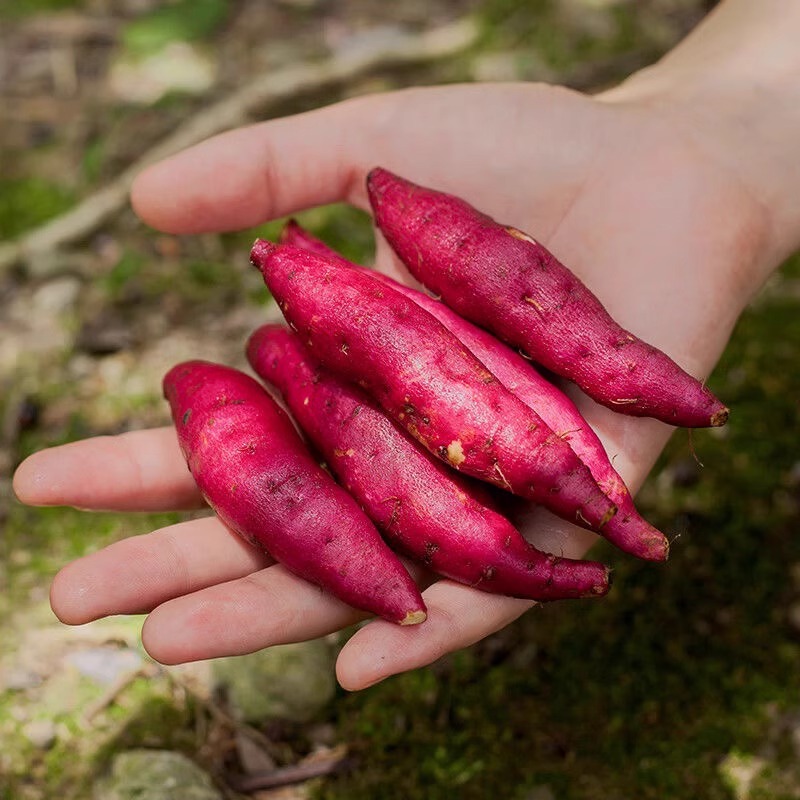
<point>733,88</point>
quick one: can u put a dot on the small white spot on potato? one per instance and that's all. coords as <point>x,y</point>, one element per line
<point>455,453</point>
<point>518,234</point>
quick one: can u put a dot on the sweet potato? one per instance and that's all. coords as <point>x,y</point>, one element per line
<point>424,509</point>
<point>627,529</point>
<point>506,281</point>
<point>252,468</point>
<point>426,380</point>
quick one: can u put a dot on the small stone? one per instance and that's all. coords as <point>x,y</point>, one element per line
<point>178,67</point>
<point>19,679</point>
<point>542,792</point>
<point>155,775</point>
<point>793,617</point>
<point>292,682</point>
<point>41,733</point>
<point>104,665</point>
<point>322,734</point>
<point>252,757</point>
<point>496,67</point>
<point>356,44</point>
<point>57,296</point>
<point>738,772</point>
<point>794,735</point>
<point>104,335</point>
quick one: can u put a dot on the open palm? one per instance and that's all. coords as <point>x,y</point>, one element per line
<point>625,196</point>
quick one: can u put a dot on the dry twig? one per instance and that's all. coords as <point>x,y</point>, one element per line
<point>315,766</point>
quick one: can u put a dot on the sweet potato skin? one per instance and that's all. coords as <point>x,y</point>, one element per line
<point>252,468</point>
<point>426,510</point>
<point>362,329</point>
<point>627,529</point>
<point>504,280</point>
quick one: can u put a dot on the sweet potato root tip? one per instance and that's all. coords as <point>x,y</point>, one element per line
<point>720,417</point>
<point>590,578</point>
<point>414,618</point>
<point>260,250</point>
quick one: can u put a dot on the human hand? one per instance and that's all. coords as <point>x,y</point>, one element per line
<point>671,238</point>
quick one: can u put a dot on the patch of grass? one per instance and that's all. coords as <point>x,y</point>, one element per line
<point>93,159</point>
<point>123,273</point>
<point>560,37</point>
<point>185,20</point>
<point>343,227</point>
<point>42,540</point>
<point>27,202</point>
<point>15,9</point>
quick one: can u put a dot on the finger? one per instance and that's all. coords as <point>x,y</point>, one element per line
<point>135,471</point>
<point>137,574</point>
<point>243,177</point>
<point>458,616</point>
<point>262,609</point>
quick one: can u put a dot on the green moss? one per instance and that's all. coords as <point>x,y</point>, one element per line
<point>344,228</point>
<point>560,38</point>
<point>11,9</point>
<point>185,20</point>
<point>27,202</point>
<point>146,714</point>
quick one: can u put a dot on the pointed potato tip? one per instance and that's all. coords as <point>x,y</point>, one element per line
<point>602,588</point>
<point>658,549</point>
<point>378,181</point>
<point>414,617</point>
<point>260,251</point>
<point>720,417</point>
<point>374,174</point>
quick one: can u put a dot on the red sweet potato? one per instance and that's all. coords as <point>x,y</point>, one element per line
<point>627,529</point>
<point>250,465</point>
<point>426,380</point>
<point>504,280</point>
<point>424,509</point>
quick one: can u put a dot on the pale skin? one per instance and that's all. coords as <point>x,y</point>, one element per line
<point>673,196</point>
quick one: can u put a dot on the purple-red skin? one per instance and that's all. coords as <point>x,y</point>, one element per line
<point>253,470</point>
<point>426,380</point>
<point>424,509</point>
<point>504,280</point>
<point>627,529</point>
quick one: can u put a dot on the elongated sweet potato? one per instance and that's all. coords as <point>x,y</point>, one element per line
<point>426,510</point>
<point>627,529</point>
<point>504,280</point>
<point>425,379</point>
<point>254,471</point>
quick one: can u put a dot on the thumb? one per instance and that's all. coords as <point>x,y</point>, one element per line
<point>243,177</point>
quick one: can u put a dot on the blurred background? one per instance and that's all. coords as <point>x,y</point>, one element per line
<point>682,683</point>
